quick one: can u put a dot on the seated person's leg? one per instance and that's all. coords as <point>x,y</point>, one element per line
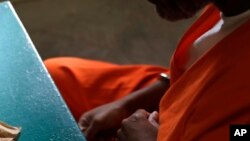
<point>86,84</point>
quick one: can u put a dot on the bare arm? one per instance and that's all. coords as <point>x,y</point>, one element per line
<point>107,118</point>
<point>147,98</point>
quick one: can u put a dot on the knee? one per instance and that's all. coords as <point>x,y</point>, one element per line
<point>57,68</point>
<point>53,66</point>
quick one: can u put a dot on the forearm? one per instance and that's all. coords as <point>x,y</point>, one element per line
<point>147,98</point>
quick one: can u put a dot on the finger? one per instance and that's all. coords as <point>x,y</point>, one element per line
<point>139,114</point>
<point>91,131</point>
<point>154,119</point>
<point>83,124</point>
<point>154,116</point>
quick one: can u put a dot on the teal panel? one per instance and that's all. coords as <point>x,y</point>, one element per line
<point>28,96</point>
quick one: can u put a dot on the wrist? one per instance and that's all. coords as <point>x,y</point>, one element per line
<point>147,98</point>
<point>124,105</point>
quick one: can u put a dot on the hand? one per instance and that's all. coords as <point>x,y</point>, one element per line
<point>138,127</point>
<point>102,122</point>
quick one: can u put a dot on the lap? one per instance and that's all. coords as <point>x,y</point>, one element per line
<point>86,84</point>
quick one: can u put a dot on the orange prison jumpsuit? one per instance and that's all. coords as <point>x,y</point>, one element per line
<point>204,100</point>
<point>200,103</point>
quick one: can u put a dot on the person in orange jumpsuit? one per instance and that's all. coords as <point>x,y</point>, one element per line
<point>208,89</point>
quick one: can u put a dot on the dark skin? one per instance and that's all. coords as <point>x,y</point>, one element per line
<point>173,10</point>
<point>131,124</point>
<point>232,7</point>
<point>102,122</point>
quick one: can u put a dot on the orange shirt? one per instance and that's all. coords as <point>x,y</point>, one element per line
<point>215,92</point>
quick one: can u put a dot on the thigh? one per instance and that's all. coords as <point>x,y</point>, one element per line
<point>86,84</point>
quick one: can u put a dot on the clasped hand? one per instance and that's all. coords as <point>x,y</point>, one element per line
<point>140,126</point>
<point>113,121</point>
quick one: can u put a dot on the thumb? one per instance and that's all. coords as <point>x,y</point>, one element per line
<point>154,119</point>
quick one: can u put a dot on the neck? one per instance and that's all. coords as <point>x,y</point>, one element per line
<point>232,7</point>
